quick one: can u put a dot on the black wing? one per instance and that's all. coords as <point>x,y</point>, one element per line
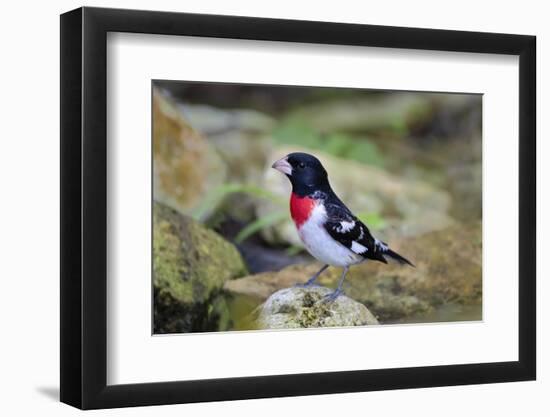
<point>351,232</point>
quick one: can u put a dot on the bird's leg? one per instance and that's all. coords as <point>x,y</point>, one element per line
<point>311,281</point>
<point>334,295</point>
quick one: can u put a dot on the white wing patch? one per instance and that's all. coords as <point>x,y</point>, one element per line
<point>345,226</point>
<point>380,245</point>
<point>358,248</point>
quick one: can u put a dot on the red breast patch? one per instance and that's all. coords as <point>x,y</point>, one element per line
<point>300,208</point>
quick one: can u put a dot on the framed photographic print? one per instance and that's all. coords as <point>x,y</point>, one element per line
<point>257,208</point>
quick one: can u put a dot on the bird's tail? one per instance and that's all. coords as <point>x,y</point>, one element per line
<point>396,257</point>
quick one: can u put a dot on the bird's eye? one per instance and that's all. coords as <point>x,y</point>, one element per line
<point>301,165</point>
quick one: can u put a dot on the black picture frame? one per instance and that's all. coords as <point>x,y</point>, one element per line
<point>84,207</point>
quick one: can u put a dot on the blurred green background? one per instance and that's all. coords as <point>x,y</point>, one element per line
<point>407,163</point>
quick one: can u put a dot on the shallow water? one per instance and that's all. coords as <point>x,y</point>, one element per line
<point>448,312</point>
<point>242,312</point>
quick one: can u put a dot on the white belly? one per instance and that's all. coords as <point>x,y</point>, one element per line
<point>322,246</point>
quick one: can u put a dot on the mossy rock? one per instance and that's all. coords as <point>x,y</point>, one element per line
<point>190,266</point>
<point>295,307</point>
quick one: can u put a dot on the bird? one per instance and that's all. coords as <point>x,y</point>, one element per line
<point>330,232</point>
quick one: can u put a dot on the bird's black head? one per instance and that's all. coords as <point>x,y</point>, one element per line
<point>304,171</point>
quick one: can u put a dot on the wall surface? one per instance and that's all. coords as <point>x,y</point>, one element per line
<point>29,238</point>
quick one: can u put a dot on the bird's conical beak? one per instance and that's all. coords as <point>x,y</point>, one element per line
<point>283,166</point>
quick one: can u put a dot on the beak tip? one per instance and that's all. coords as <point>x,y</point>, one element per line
<point>283,166</point>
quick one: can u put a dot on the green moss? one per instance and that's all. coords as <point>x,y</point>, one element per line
<point>168,266</point>
<point>307,307</point>
<point>312,311</point>
<point>190,264</point>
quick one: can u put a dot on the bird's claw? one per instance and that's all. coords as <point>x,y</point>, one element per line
<point>307,284</point>
<point>329,298</point>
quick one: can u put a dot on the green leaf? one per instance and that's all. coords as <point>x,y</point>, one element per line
<point>293,250</point>
<point>295,132</point>
<point>218,194</point>
<point>367,152</point>
<point>373,220</point>
<point>260,224</point>
<point>337,145</point>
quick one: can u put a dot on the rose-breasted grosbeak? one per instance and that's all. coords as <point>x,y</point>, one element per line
<point>329,230</point>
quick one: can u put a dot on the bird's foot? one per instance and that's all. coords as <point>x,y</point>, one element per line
<point>329,298</point>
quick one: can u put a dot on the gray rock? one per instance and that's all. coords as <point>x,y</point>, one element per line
<point>239,136</point>
<point>394,111</point>
<point>212,121</point>
<point>181,157</point>
<point>305,307</point>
